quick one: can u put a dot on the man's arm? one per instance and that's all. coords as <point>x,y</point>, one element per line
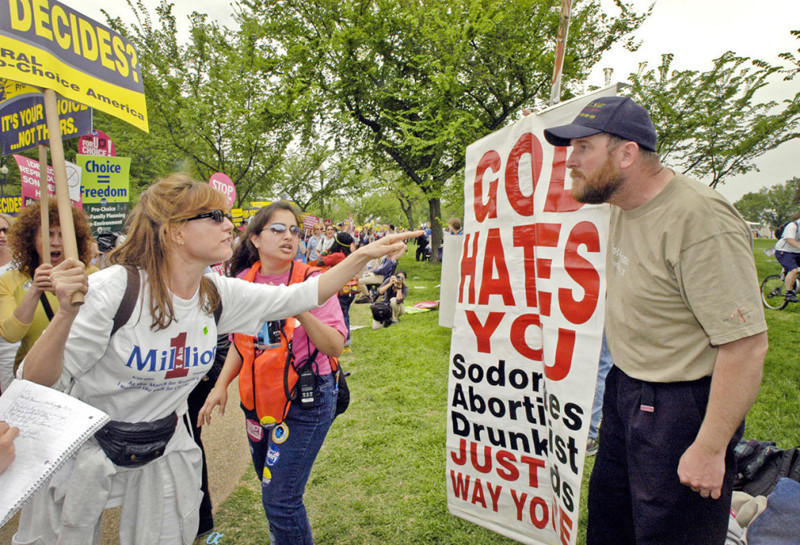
<point>792,242</point>
<point>734,387</point>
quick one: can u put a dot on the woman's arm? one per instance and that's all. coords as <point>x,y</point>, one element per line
<point>16,318</point>
<point>41,283</point>
<point>326,338</point>
<point>44,362</point>
<point>218,396</point>
<point>334,279</point>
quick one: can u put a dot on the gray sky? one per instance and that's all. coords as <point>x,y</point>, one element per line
<point>696,31</point>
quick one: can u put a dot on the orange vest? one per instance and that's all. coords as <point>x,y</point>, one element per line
<point>266,381</point>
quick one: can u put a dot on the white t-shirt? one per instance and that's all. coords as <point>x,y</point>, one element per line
<point>790,231</point>
<point>143,374</point>
<point>325,243</point>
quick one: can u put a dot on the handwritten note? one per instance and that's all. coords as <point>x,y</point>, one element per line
<point>52,427</point>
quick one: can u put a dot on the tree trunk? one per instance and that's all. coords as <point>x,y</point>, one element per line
<point>409,213</point>
<point>434,213</point>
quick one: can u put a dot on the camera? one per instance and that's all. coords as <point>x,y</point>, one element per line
<point>270,335</point>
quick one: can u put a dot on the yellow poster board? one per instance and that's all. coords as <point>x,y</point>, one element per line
<point>50,45</point>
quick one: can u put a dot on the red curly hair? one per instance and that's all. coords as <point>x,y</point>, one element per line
<point>22,236</point>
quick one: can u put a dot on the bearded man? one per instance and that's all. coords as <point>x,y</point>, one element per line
<point>688,358</point>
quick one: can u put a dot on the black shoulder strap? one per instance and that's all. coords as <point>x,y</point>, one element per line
<point>218,310</point>
<point>46,305</point>
<point>128,300</point>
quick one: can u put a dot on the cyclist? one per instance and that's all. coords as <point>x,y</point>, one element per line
<point>787,252</point>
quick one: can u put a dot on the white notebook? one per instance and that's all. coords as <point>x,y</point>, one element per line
<point>52,426</point>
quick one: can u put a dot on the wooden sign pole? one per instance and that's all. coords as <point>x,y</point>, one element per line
<point>44,203</point>
<point>561,47</point>
<point>62,189</point>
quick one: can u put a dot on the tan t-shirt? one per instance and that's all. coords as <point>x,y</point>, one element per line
<point>681,281</point>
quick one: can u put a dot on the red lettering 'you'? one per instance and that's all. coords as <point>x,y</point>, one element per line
<point>483,332</point>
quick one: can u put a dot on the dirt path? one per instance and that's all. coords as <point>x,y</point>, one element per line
<point>227,454</point>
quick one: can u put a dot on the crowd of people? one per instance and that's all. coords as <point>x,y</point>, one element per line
<point>279,310</point>
<point>683,364</point>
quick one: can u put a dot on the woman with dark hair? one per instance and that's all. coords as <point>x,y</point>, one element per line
<point>27,301</point>
<point>141,370</point>
<point>342,246</point>
<point>283,455</point>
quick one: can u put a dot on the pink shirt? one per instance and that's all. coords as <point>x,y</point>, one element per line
<point>330,313</point>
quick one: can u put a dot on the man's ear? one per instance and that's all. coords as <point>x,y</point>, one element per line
<point>627,153</point>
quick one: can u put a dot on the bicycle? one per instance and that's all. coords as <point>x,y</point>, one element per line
<point>773,291</point>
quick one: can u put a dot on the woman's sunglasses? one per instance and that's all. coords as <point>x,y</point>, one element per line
<point>280,228</point>
<point>217,215</point>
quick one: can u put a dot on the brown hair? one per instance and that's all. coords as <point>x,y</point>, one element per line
<point>170,201</point>
<point>246,254</point>
<point>22,236</point>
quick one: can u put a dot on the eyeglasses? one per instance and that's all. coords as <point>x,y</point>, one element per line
<point>217,215</point>
<point>280,228</point>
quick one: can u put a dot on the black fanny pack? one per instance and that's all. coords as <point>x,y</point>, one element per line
<point>133,444</point>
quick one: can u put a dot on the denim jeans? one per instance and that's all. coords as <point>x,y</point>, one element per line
<point>602,370</point>
<point>344,302</point>
<point>283,457</point>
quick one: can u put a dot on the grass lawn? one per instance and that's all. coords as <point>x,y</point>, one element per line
<point>380,477</point>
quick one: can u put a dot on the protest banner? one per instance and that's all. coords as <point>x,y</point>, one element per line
<point>526,338</point>
<point>10,204</point>
<point>52,46</point>
<point>241,215</point>
<point>29,174</point>
<point>309,221</point>
<point>96,142</point>
<point>22,123</point>
<point>105,191</point>
<point>223,183</point>
<point>44,201</point>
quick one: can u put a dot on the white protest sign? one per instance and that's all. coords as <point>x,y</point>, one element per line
<point>527,332</point>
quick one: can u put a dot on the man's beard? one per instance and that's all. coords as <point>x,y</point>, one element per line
<point>600,187</point>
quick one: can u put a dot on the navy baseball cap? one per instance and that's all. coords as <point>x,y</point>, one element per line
<point>619,116</point>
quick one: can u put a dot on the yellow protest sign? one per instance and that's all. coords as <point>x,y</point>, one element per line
<point>48,44</point>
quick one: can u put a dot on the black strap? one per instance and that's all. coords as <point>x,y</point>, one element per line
<point>218,310</point>
<point>128,302</point>
<point>46,304</point>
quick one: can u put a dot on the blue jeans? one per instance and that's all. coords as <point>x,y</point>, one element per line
<point>602,370</point>
<point>344,302</point>
<point>283,457</point>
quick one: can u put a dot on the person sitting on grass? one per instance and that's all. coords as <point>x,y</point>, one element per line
<point>376,277</point>
<point>393,291</point>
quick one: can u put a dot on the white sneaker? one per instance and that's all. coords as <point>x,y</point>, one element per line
<point>591,447</point>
